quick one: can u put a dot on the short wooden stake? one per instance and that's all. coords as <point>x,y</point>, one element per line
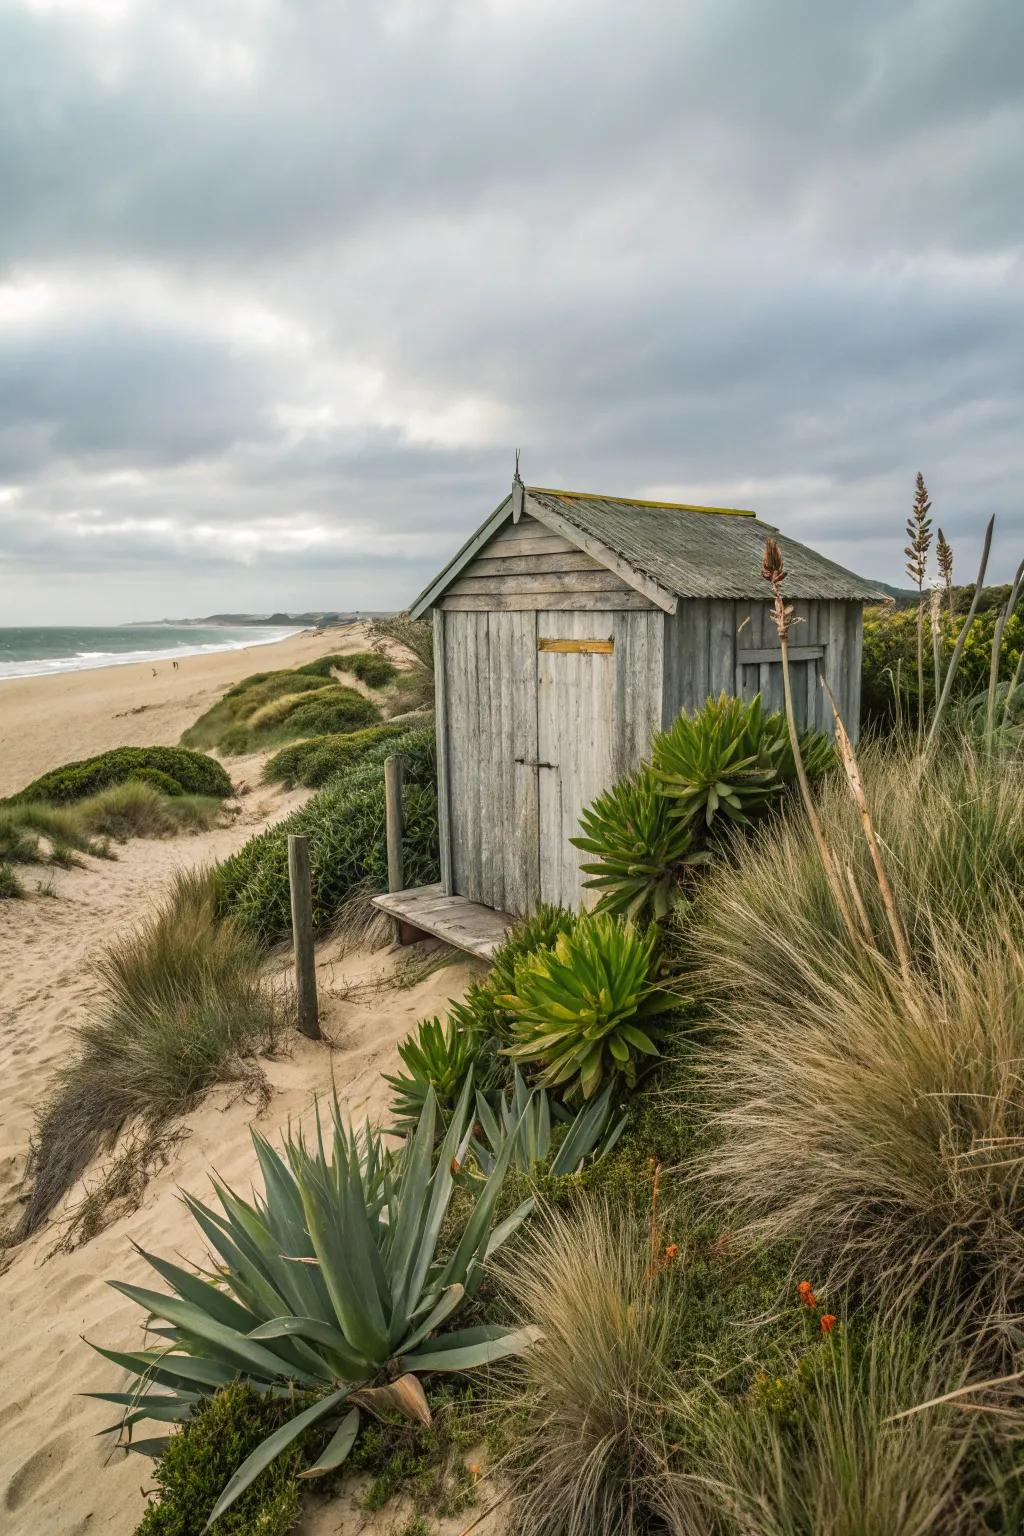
<point>302,932</point>
<point>394,821</point>
<point>393,776</point>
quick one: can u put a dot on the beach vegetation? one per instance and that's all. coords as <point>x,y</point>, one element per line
<point>194,774</point>
<point>330,1285</point>
<point>370,667</point>
<point>589,1006</point>
<point>10,886</point>
<point>438,1056</point>
<point>317,759</point>
<point>34,832</point>
<point>180,1005</point>
<point>542,1132</point>
<point>344,823</point>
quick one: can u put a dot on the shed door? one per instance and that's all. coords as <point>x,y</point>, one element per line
<point>490,674</point>
<point>575,686</point>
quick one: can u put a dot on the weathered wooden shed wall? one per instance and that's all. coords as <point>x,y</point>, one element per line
<point>715,646</point>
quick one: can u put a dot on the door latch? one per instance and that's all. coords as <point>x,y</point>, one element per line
<point>529,762</point>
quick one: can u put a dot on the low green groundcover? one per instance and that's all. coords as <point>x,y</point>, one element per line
<point>194,774</point>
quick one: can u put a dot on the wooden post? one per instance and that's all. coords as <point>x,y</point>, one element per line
<point>393,776</point>
<point>302,932</point>
<point>394,822</point>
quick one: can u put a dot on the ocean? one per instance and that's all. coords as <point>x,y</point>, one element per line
<point>35,652</point>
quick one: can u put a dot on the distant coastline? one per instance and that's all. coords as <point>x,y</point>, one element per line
<point>55,650</point>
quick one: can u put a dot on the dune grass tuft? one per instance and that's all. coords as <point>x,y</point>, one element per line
<point>180,1003</point>
<point>878,1119</point>
<point>370,667</point>
<point>10,885</point>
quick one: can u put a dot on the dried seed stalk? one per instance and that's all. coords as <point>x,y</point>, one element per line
<point>856,784</point>
<point>773,572</point>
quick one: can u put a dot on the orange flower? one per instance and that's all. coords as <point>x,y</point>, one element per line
<point>671,1250</point>
<point>828,1322</point>
<point>806,1294</point>
<point>474,1469</point>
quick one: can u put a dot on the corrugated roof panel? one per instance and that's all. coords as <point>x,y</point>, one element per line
<point>702,553</point>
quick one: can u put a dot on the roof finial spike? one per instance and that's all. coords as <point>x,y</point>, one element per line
<point>518,493</point>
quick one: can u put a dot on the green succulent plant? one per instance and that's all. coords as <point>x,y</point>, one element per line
<point>641,849</point>
<point>439,1055</point>
<point>536,932</point>
<point>588,1006</point>
<point>730,758</point>
<point>525,1117</point>
<point>327,1284</point>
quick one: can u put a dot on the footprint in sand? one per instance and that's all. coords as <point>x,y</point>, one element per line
<point>37,1471</point>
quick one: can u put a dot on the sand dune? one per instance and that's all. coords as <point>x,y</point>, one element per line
<point>56,1477</point>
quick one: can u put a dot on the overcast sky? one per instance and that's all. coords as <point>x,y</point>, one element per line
<point>284,283</point>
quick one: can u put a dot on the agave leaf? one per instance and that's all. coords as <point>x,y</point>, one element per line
<point>225,1341</point>
<point>350,1364</point>
<point>337,1448</point>
<point>470,1357</point>
<point>192,1287</point>
<point>270,1448</point>
<point>450,1299</point>
<point>175,1371</point>
<point>405,1396</point>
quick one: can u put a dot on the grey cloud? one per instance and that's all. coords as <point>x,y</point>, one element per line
<point>721,245</point>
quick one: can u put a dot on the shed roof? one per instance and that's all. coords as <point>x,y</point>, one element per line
<point>670,549</point>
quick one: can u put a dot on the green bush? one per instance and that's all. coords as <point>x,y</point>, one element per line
<point>589,1006</point>
<point>158,780</point>
<point>370,667</point>
<point>10,885</point>
<point>335,709</point>
<point>363,1314</point>
<point>243,700</point>
<point>200,1456</point>
<point>642,851</point>
<point>344,823</point>
<point>196,774</point>
<point>313,761</point>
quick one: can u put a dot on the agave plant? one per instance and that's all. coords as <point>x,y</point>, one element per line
<point>536,932</point>
<point>329,1286</point>
<point>731,758</point>
<point>642,850</point>
<point>439,1057</point>
<point>577,1008</point>
<point>524,1117</point>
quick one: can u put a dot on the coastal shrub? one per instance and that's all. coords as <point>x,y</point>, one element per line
<point>732,759</point>
<point>370,667</point>
<point>902,1093</point>
<point>642,851</point>
<point>199,1457</point>
<point>158,780</point>
<point>331,708</point>
<point>313,761</point>
<point>196,774</point>
<point>180,1002</point>
<point>344,823</point>
<point>588,1006</point>
<point>359,1324</point>
<point>239,702</point>
<point>10,886</point>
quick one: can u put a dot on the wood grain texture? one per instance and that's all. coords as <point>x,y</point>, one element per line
<point>535,602</point>
<point>540,581</point>
<point>444,831</point>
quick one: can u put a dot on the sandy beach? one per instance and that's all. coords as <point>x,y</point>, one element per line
<point>56,1477</point>
<point>49,720</point>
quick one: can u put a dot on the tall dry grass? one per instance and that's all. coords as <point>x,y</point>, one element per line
<point>874,1118</point>
<point>180,1005</point>
<point>584,1400</point>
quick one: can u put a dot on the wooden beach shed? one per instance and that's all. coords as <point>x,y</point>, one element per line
<point>568,630</point>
